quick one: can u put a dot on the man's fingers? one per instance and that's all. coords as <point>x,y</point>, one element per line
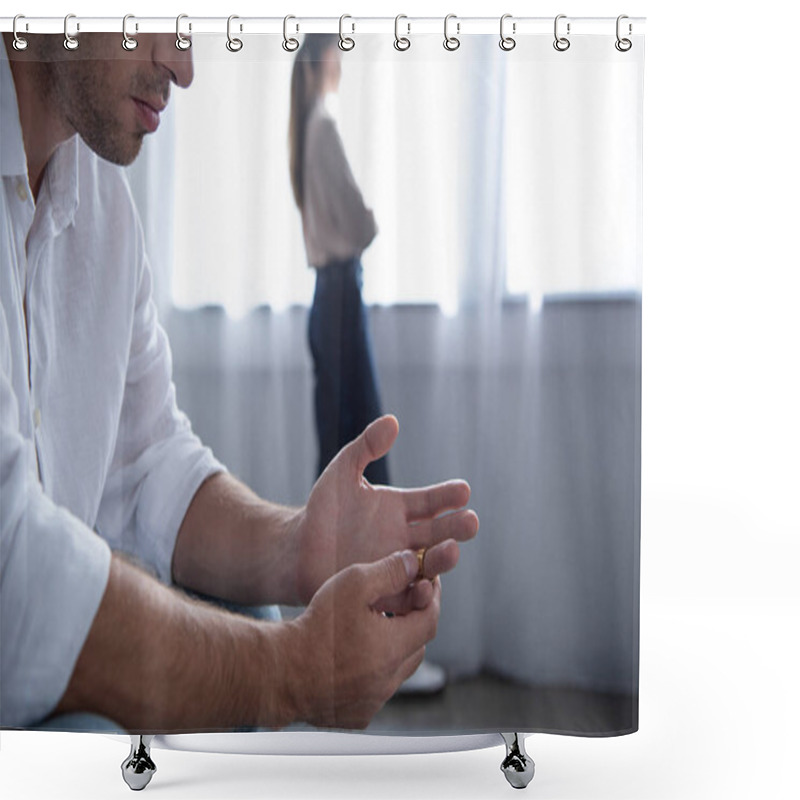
<point>418,626</point>
<point>419,623</point>
<point>410,665</point>
<point>415,598</point>
<point>389,580</point>
<point>374,442</point>
<point>459,525</point>
<point>440,558</point>
<point>390,576</point>
<point>432,501</point>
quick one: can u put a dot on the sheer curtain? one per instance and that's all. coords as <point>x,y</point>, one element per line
<point>439,152</point>
<point>504,287</point>
<point>411,133</point>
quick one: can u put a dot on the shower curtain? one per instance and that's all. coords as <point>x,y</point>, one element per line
<point>503,303</point>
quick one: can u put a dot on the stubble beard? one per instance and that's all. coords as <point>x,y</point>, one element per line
<point>90,104</point>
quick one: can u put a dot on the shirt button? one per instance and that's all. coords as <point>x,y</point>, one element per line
<point>22,190</point>
<point>37,418</point>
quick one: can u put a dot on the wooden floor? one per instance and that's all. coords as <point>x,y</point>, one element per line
<point>489,703</point>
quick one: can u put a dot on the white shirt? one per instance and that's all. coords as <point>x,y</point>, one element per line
<point>91,439</point>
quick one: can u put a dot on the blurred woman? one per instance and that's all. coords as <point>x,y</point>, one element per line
<point>337,228</point>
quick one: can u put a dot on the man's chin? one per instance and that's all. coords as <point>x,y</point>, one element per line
<point>120,153</point>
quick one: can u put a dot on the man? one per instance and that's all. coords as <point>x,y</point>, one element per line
<point>91,442</point>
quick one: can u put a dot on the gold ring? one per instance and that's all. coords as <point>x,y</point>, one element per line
<point>421,563</point>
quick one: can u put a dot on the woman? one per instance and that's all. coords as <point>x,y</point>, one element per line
<point>337,228</point>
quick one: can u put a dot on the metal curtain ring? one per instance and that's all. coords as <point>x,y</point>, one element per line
<point>507,42</point>
<point>451,42</point>
<point>19,43</point>
<point>401,43</point>
<point>234,45</point>
<point>561,43</point>
<point>70,42</point>
<point>127,42</point>
<point>290,44</point>
<point>623,45</point>
<point>346,42</point>
<point>181,42</point>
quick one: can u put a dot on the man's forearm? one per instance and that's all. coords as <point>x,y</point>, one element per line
<point>236,546</point>
<point>154,660</point>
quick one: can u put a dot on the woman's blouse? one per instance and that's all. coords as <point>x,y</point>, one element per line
<point>337,225</point>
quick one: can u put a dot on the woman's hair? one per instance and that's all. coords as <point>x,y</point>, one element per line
<point>305,89</point>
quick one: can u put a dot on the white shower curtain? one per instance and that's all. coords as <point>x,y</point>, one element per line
<point>505,285</point>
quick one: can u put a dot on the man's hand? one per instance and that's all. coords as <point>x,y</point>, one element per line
<point>155,661</point>
<point>349,521</point>
<point>234,545</point>
<point>346,657</point>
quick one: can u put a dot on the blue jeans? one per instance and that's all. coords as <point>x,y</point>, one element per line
<point>346,390</point>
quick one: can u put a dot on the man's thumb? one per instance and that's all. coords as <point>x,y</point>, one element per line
<point>375,441</point>
<point>392,574</point>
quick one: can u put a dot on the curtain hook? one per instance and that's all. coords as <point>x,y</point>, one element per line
<point>401,43</point>
<point>234,45</point>
<point>346,42</point>
<point>623,45</point>
<point>70,42</point>
<point>561,43</point>
<point>128,43</point>
<point>19,43</point>
<point>451,43</point>
<point>290,44</point>
<point>181,42</point>
<point>507,42</point>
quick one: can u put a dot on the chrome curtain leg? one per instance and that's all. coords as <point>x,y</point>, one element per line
<point>138,768</point>
<point>517,766</point>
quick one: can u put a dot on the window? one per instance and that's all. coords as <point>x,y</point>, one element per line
<point>467,159</point>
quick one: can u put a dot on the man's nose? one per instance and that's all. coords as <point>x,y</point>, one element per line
<point>177,62</point>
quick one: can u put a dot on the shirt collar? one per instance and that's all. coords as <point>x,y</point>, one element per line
<point>62,182</point>
<point>61,172</point>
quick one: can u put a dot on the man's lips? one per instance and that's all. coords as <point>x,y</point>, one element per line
<point>149,115</point>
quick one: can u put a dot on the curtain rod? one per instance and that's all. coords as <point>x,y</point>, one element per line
<point>189,25</point>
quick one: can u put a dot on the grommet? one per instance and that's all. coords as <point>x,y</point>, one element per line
<point>346,43</point>
<point>70,42</point>
<point>181,42</point>
<point>623,45</point>
<point>451,43</point>
<point>234,45</point>
<point>561,43</point>
<point>128,43</point>
<point>19,43</point>
<point>507,42</point>
<point>401,43</point>
<point>290,44</point>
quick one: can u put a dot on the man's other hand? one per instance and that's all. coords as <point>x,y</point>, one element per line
<point>346,656</point>
<point>349,521</point>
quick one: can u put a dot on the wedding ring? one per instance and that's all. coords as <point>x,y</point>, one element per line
<point>421,563</point>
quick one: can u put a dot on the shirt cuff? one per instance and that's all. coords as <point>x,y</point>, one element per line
<point>165,501</point>
<point>55,575</point>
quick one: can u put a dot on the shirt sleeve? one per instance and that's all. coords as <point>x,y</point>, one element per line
<point>53,573</point>
<point>158,463</point>
<point>333,187</point>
